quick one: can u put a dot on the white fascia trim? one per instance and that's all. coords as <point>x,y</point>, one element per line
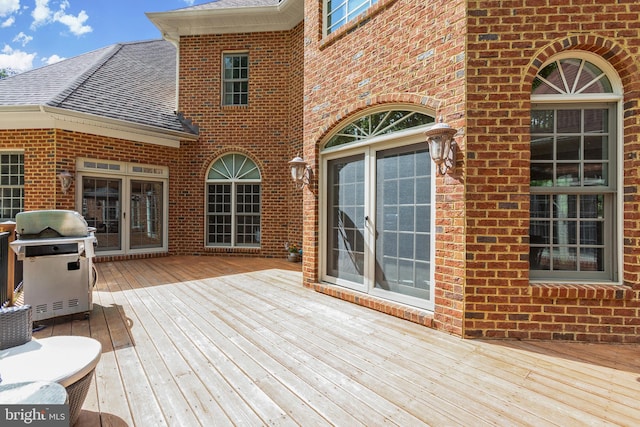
<point>282,17</point>
<point>44,117</point>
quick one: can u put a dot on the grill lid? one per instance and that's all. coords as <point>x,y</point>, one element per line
<point>50,223</point>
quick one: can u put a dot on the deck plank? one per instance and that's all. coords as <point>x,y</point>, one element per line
<point>238,341</point>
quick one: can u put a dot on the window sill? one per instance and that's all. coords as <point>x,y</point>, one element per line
<point>233,250</point>
<point>354,24</point>
<point>234,107</point>
<point>582,291</point>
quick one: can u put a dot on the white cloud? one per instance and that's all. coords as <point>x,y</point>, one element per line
<point>9,22</point>
<point>75,23</point>
<point>42,14</point>
<point>8,7</point>
<point>189,2</point>
<point>16,59</point>
<point>22,38</point>
<point>53,59</point>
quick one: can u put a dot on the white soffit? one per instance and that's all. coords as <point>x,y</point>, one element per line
<point>282,17</point>
<point>42,117</point>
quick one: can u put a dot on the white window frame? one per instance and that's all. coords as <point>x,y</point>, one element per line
<point>350,15</point>
<point>225,80</point>
<point>126,172</point>
<point>11,186</point>
<point>369,148</point>
<point>233,182</point>
<point>582,101</point>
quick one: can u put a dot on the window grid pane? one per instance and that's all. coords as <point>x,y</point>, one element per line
<point>345,246</point>
<point>233,202</point>
<point>572,201</point>
<point>404,222</point>
<point>568,234</point>
<point>569,148</point>
<point>340,12</point>
<point>247,214</point>
<point>219,214</point>
<point>11,185</point>
<point>236,79</point>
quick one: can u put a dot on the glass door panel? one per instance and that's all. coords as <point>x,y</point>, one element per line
<point>403,221</point>
<point>345,251</point>
<point>101,202</point>
<point>145,214</point>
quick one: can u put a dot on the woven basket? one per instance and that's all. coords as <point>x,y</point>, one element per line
<point>15,326</point>
<point>77,392</point>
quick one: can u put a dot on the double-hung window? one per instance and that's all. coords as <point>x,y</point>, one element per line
<point>233,202</point>
<point>11,184</point>
<point>574,192</point>
<point>235,79</point>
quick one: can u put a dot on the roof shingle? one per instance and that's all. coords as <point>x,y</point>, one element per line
<point>134,81</point>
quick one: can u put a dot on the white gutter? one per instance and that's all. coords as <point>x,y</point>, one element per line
<point>281,17</point>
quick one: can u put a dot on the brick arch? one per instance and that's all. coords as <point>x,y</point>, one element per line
<point>394,99</point>
<point>620,59</point>
<point>207,162</point>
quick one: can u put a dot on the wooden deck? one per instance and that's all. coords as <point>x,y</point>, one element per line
<point>191,341</point>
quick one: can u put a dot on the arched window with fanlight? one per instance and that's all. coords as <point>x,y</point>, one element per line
<point>233,202</point>
<point>574,178</point>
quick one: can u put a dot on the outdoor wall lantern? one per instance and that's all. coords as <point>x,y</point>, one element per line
<point>300,172</point>
<point>65,181</point>
<point>442,147</point>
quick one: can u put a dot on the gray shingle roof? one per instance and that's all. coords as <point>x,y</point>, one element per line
<point>133,81</point>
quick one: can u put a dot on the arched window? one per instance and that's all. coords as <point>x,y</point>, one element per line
<point>233,202</point>
<point>574,170</point>
<point>379,123</point>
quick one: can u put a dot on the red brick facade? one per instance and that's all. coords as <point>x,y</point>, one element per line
<point>268,131</point>
<point>476,68</point>
<point>473,63</point>
<point>392,55</point>
<point>507,44</point>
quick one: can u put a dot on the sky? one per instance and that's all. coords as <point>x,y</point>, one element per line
<point>35,33</point>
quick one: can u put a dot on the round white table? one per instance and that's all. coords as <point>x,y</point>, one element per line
<point>33,393</point>
<point>63,359</point>
<point>66,360</point>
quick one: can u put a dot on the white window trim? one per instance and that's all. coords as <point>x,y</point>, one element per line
<point>223,80</point>
<point>325,16</point>
<point>617,96</point>
<point>369,148</point>
<point>97,168</point>
<point>16,152</point>
<point>233,182</point>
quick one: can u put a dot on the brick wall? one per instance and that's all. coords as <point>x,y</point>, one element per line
<point>40,167</point>
<point>296,81</point>
<point>268,131</point>
<point>507,44</point>
<point>48,151</point>
<point>391,55</point>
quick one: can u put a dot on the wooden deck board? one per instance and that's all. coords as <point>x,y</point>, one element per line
<point>238,341</point>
